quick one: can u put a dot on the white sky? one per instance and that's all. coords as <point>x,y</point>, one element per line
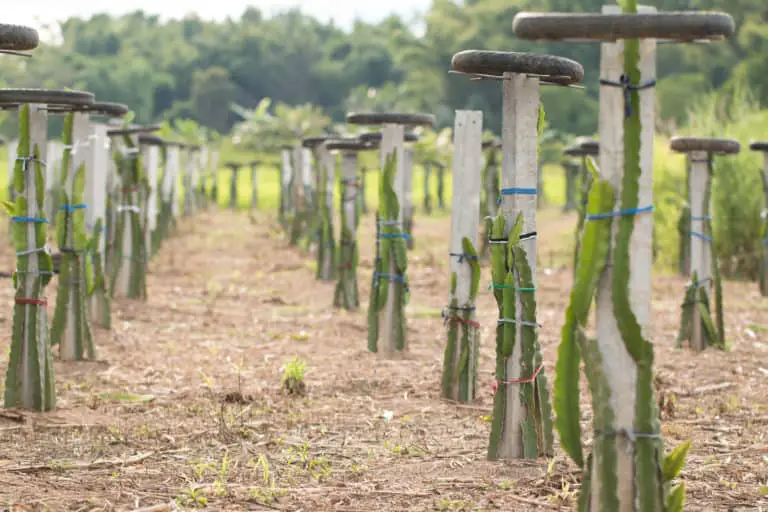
<point>343,12</point>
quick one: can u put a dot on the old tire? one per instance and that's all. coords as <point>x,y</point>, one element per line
<point>375,137</point>
<point>135,130</point>
<point>150,140</point>
<point>57,100</point>
<point>755,146</point>
<point>391,118</point>
<point>313,142</point>
<point>550,68</point>
<point>107,109</point>
<point>707,144</point>
<point>676,26</point>
<point>18,38</point>
<point>347,145</point>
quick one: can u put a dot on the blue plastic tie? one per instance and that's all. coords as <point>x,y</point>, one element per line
<point>395,278</point>
<point>38,220</point>
<point>73,207</point>
<point>516,191</point>
<point>619,213</point>
<point>704,237</point>
<point>404,236</point>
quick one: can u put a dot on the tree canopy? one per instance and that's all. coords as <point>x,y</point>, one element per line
<point>196,69</point>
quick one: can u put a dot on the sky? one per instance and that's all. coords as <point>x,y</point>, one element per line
<point>343,12</point>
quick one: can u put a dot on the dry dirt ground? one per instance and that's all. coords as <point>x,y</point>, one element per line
<point>184,406</point>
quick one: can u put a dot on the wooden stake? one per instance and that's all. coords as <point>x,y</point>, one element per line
<point>618,366</point>
<point>392,136</point>
<point>701,249</point>
<point>519,171</point>
<point>465,218</point>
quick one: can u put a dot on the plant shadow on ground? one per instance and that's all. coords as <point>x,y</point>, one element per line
<point>186,407</point>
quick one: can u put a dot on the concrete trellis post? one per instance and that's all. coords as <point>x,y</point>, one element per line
<point>459,382</point>
<point>346,294</point>
<point>130,255</point>
<point>490,184</point>
<point>701,332</point>
<point>168,188</point>
<point>299,195</point>
<point>522,398</point>
<point>363,189</point>
<point>53,191</point>
<point>150,159</point>
<point>763,276</point>
<point>389,293</point>
<point>203,156</point>
<point>316,192</point>
<point>286,178</point>
<point>29,380</point>
<point>189,180</point>
<point>213,165</point>
<point>71,327</point>
<point>617,265</point>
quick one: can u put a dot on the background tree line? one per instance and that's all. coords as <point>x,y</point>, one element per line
<point>195,69</point>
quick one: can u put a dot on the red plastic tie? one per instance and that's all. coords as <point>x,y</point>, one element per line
<point>32,302</point>
<point>460,320</point>
<point>527,380</point>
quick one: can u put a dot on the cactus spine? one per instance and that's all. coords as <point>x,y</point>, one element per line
<point>71,328</point>
<point>389,290</point>
<point>29,379</point>
<point>346,294</point>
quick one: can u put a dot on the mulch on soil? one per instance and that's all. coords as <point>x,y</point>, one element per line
<point>184,407</point>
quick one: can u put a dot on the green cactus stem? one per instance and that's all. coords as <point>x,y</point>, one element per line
<point>363,188</point>
<point>588,174</point>
<point>302,200</point>
<point>234,168</point>
<point>389,290</point>
<point>255,184</point>
<point>571,178</point>
<point>71,328</point>
<point>490,197</point>
<point>460,361</point>
<point>440,186</point>
<point>512,276</point>
<point>427,188</point>
<point>29,381</point>
<point>130,262</point>
<point>100,302</point>
<point>287,177</point>
<point>696,306</point>
<point>763,276</point>
<point>683,228</point>
<point>346,293</point>
<point>189,181</point>
<point>326,244</point>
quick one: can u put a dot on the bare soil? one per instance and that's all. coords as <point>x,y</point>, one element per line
<point>184,406</point>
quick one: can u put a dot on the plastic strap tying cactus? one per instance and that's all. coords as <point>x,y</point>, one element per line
<point>461,359</point>
<point>389,289</point>
<point>71,328</point>
<point>346,293</point>
<point>130,262</point>
<point>29,380</point>
<point>512,275</point>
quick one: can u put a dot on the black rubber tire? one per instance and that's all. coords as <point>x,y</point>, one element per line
<point>550,68</point>
<point>348,145</point>
<point>375,137</point>
<point>254,163</point>
<point>56,100</point>
<point>150,140</point>
<point>313,142</point>
<point>710,145</point>
<point>18,38</point>
<point>676,26</point>
<point>134,130</point>
<point>233,165</point>
<point>107,108</point>
<point>390,118</point>
<point>755,146</point>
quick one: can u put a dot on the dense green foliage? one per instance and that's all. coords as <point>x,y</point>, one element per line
<point>195,69</point>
